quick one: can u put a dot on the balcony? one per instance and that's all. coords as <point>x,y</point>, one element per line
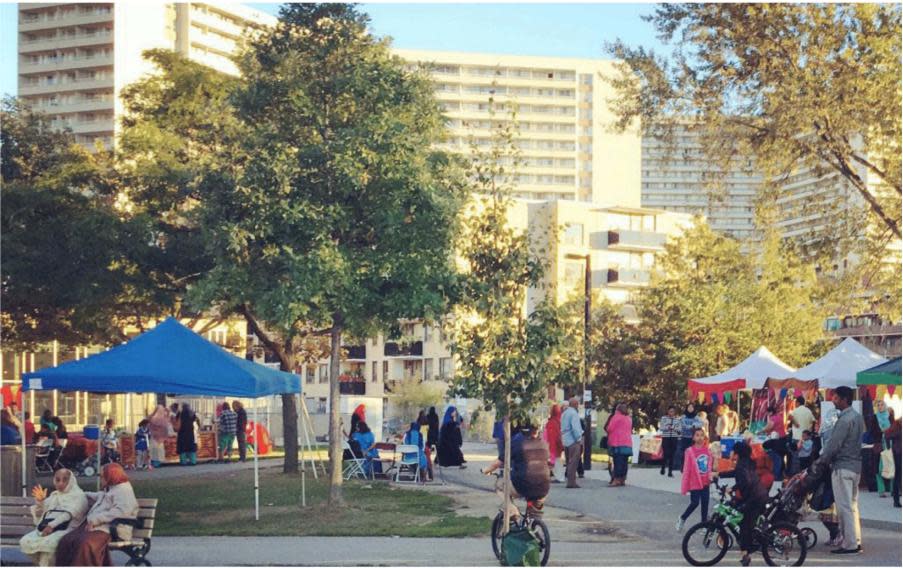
<point>43,22</point>
<point>394,349</point>
<point>26,66</point>
<point>636,240</point>
<point>356,387</point>
<point>27,89</point>
<point>356,352</point>
<point>628,277</point>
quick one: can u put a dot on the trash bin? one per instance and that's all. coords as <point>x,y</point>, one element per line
<point>11,470</point>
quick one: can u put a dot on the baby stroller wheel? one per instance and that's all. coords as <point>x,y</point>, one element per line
<point>88,471</point>
<point>811,537</point>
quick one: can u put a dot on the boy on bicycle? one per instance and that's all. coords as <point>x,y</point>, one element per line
<point>529,469</point>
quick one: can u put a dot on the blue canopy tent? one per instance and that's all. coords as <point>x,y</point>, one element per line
<point>169,358</point>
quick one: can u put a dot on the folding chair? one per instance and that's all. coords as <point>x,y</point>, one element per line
<point>410,463</point>
<point>42,456</point>
<point>355,466</point>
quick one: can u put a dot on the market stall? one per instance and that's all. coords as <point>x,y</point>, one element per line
<point>751,373</point>
<point>169,358</point>
<point>839,366</point>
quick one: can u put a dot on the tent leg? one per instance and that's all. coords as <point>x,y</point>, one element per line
<point>306,423</point>
<point>99,437</point>
<point>24,461</point>
<point>256,468</point>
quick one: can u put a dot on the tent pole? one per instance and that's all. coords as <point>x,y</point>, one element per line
<point>305,423</point>
<point>256,469</point>
<point>24,461</point>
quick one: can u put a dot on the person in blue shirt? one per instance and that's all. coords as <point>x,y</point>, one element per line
<point>9,431</point>
<point>367,441</point>
<point>414,438</point>
<point>689,422</point>
<point>141,445</point>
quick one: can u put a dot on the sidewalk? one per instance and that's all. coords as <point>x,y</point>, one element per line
<point>874,512</point>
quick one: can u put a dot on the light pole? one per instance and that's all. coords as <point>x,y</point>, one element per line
<point>587,404</point>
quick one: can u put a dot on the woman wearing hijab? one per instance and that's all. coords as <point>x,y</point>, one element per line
<point>356,417</point>
<point>450,441</point>
<point>880,422</point>
<point>415,438</point>
<point>552,436</point>
<point>87,546</point>
<point>186,444</point>
<point>160,426</point>
<point>432,433</point>
<point>61,512</point>
<point>688,424</point>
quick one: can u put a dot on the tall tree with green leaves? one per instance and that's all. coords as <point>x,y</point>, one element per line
<point>794,85</point>
<point>505,356</point>
<point>338,215</point>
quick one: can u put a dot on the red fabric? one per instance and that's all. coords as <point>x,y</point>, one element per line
<point>777,421</point>
<point>619,429</point>
<point>552,433</point>
<point>708,389</point>
<point>359,412</point>
<point>29,432</point>
<point>697,470</point>
<point>114,474</point>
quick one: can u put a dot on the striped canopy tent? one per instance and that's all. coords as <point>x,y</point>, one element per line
<point>751,373</point>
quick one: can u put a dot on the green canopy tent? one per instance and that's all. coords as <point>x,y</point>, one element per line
<point>887,373</point>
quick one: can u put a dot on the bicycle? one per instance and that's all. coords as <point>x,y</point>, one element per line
<point>531,520</point>
<point>781,544</point>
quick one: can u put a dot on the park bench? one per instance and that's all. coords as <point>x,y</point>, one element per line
<point>16,522</point>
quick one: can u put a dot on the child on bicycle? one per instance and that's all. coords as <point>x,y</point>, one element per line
<point>529,469</point>
<point>697,475</point>
<point>751,497</point>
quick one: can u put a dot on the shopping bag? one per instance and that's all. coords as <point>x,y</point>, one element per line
<point>888,468</point>
<point>520,548</point>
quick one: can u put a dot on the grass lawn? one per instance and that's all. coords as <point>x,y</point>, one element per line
<point>224,506</point>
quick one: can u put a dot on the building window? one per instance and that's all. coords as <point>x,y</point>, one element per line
<point>374,372</point>
<point>324,374</point>
<point>310,373</point>
<point>321,405</point>
<point>573,234</point>
<point>385,371</point>
<point>427,369</point>
<point>446,370</point>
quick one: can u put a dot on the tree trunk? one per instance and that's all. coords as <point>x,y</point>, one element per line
<point>335,420</point>
<point>289,423</point>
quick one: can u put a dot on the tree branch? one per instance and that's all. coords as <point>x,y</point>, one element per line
<point>877,171</point>
<point>264,337</point>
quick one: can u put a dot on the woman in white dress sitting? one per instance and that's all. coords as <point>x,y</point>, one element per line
<point>68,504</point>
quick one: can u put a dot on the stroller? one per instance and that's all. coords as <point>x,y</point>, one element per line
<point>788,505</point>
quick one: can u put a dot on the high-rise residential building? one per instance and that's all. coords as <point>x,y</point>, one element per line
<point>677,176</point>
<point>75,59</point>
<point>562,114</point>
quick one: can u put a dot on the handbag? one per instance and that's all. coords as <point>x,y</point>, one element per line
<point>48,518</point>
<point>888,467</point>
<point>603,443</point>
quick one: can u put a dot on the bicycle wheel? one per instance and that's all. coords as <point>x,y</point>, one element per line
<point>785,545</point>
<point>705,544</point>
<point>811,537</point>
<point>497,535</point>
<point>541,532</point>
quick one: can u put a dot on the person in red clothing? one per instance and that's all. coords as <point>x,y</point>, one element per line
<point>620,444</point>
<point>697,474</point>
<point>29,429</point>
<point>552,436</point>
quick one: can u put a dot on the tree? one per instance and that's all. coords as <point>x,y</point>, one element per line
<point>337,215</point>
<point>505,356</point>
<point>78,266</point>
<point>814,85</point>
<point>708,308</point>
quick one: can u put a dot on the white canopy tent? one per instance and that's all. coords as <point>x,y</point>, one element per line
<point>838,367</point>
<point>751,373</point>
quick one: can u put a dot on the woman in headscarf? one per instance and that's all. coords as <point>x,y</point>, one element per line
<point>450,441</point>
<point>880,422</point>
<point>160,426</point>
<point>186,444</point>
<point>552,436</point>
<point>356,417</point>
<point>432,434</point>
<point>60,513</point>
<point>415,438</point>
<point>87,546</point>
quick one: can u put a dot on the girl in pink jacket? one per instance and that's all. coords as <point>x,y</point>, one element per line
<point>697,474</point>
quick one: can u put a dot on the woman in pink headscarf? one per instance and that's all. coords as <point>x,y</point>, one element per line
<point>160,426</point>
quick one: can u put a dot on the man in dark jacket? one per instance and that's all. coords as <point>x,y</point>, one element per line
<point>241,424</point>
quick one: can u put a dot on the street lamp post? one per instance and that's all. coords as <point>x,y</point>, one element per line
<point>587,404</point>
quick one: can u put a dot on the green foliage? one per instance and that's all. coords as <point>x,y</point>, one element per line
<point>780,88</point>
<point>412,396</point>
<point>709,307</point>
<point>504,355</point>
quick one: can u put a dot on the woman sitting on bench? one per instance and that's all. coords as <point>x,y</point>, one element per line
<point>87,546</point>
<point>54,516</point>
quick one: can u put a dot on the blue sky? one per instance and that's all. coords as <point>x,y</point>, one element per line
<point>563,30</point>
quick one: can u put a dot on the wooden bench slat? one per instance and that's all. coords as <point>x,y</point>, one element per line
<point>147,513</point>
<point>19,522</point>
<point>16,531</point>
<point>149,503</point>
<point>14,510</point>
<point>12,500</point>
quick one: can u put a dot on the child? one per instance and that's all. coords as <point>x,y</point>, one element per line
<point>109,443</point>
<point>804,450</point>
<point>697,474</point>
<point>141,445</point>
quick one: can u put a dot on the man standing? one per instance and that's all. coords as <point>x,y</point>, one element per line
<point>572,438</point>
<point>669,426</point>
<point>801,420</point>
<point>228,424</point>
<point>241,422</point>
<point>842,454</point>
<point>727,422</point>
